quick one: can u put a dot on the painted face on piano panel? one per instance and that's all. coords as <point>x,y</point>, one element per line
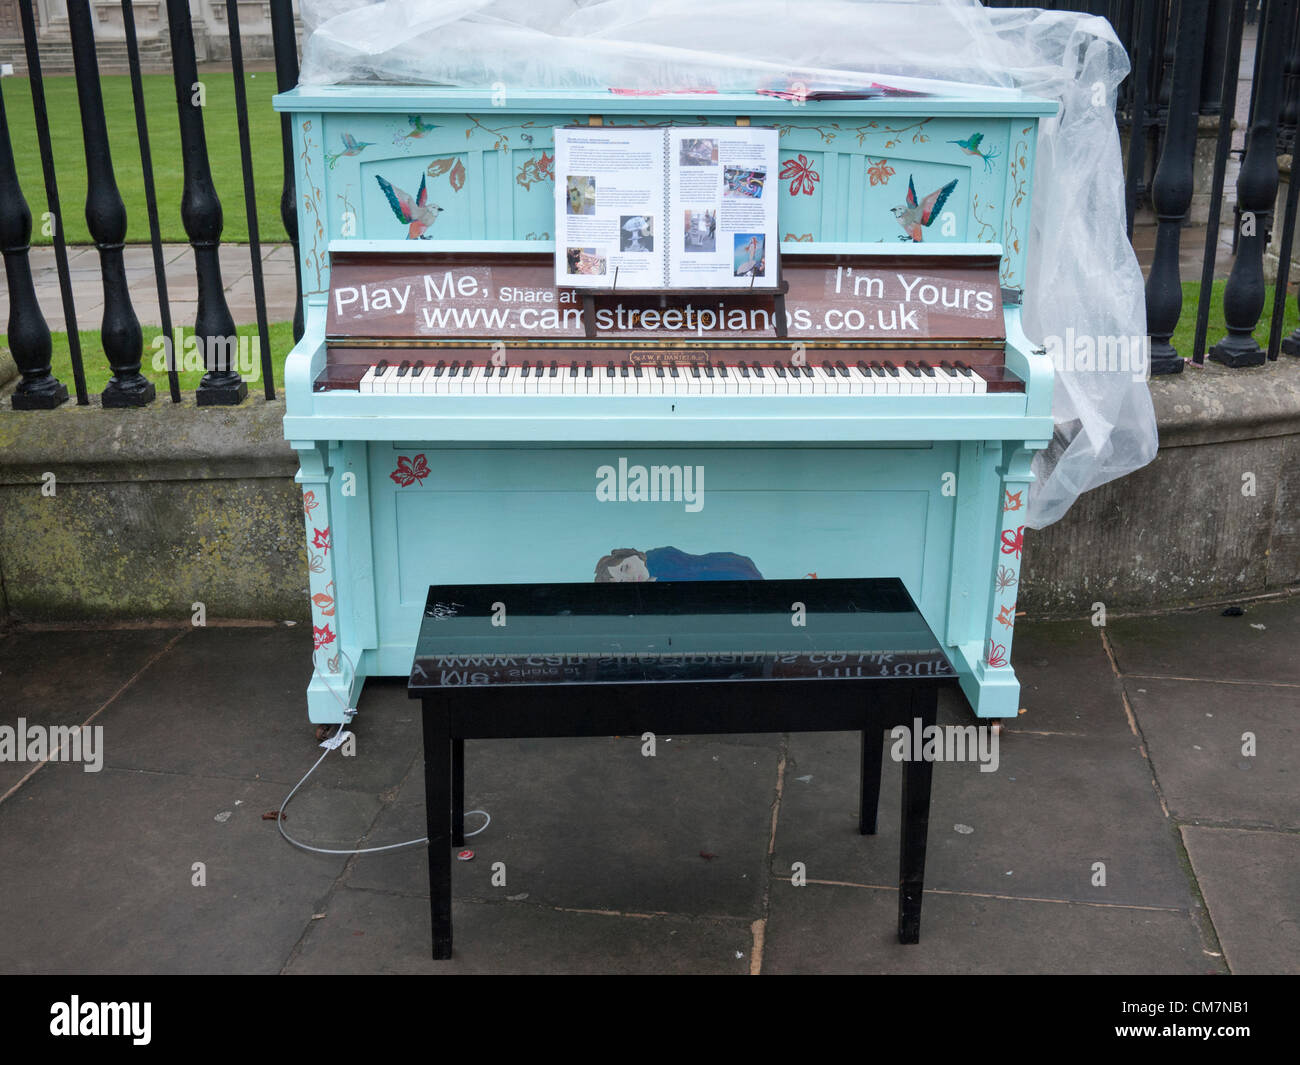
<point>632,568</point>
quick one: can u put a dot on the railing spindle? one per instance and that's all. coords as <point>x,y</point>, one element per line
<point>1171,189</point>
<point>250,197</point>
<point>29,336</point>
<point>1137,130</point>
<point>1243,295</point>
<point>286,77</point>
<point>106,220</point>
<point>42,117</point>
<point>150,198</point>
<point>201,216</point>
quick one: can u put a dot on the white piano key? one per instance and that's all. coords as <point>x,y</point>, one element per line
<point>367,383</point>
<point>384,380</point>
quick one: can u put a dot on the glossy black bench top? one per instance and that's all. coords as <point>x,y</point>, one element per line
<point>684,631</point>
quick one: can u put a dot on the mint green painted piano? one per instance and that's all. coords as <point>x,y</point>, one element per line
<point>465,448</point>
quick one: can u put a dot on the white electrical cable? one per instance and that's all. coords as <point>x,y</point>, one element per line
<point>329,745</point>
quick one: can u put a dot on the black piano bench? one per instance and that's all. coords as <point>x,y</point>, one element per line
<point>675,658</point>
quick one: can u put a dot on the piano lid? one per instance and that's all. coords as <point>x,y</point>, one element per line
<point>441,297</point>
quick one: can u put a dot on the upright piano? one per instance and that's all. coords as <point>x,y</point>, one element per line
<point>461,419</point>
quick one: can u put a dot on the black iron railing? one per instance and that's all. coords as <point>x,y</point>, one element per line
<point>1185,70</point>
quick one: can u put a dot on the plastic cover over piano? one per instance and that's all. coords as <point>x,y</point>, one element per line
<point>1083,280</point>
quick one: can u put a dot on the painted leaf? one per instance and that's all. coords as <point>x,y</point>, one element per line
<point>320,636</point>
<point>309,502</point>
<point>802,177</point>
<point>440,166</point>
<point>997,655</point>
<point>321,538</point>
<point>410,471</point>
<point>457,177</point>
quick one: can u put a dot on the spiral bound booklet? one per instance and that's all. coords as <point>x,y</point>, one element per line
<point>672,208</point>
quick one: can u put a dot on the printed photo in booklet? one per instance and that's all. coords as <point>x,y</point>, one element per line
<point>676,208</point>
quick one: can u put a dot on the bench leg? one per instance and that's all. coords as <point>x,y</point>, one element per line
<point>873,749</point>
<point>458,793</point>
<point>437,801</point>
<point>916,824</point>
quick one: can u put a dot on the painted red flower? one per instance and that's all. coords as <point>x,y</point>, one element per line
<point>880,172</point>
<point>1013,542</point>
<point>997,655</point>
<point>803,178</point>
<point>410,471</point>
<point>321,538</point>
<point>320,636</point>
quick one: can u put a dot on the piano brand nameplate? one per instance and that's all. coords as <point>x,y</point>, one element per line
<point>439,297</point>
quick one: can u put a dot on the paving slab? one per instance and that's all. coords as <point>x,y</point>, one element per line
<point>1205,644</point>
<point>1251,882</point>
<point>1196,733</point>
<point>591,824</point>
<point>832,929</point>
<point>98,870</point>
<point>376,932</point>
<point>230,702</point>
<point>63,677</point>
<point>1033,829</point>
<point>1067,683</point>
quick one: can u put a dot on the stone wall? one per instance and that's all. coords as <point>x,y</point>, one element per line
<point>157,509</point>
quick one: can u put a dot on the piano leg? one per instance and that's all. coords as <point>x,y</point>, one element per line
<point>458,793</point>
<point>916,822</point>
<point>437,803</point>
<point>873,744</point>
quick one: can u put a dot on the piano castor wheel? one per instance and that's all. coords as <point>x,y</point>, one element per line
<point>324,732</point>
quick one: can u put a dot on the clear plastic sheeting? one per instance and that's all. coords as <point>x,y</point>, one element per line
<point>1084,290</point>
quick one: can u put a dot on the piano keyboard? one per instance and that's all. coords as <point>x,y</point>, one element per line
<point>610,378</point>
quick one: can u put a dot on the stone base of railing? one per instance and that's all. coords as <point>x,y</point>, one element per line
<point>155,510</point>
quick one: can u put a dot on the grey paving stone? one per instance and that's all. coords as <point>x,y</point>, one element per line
<point>230,702</point>
<point>1251,882</point>
<point>1204,643</point>
<point>829,929</point>
<point>1195,731</point>
<point>61,678</point>
<point>98,870</point>
<point>590,823</point>
<point>1055,805</point>
<point>375,932</point>
<point>1066,680</point>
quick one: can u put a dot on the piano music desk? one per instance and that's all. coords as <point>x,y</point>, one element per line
<point>675,658</point>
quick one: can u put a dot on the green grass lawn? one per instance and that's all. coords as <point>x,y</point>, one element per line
<point>164,143</point>
<point>98,373</point>
<point>1186,331</point>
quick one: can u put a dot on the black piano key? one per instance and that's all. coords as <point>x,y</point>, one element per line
<point>453,369</point>
<point>659,369</point>
<point>588,372</point>
<point>573,369</point>
<point>418,368</point>
<point>926,368</point>
<point>841,369</point>
<point>609,368</point>
<point>695,369</point>
<point>910,367</point>
<point>488,371</point>
<point>947,367</point>
<point>437,370</point>
<point>864,369</point>
<point>636,370</point>
<point>708,369</point>
<point>779,367</point>
<point>722,370</point>
<point>964,369</point>
<point>827,368</point>
<point>623,370</point>
<point>467,369</point>
<point>404,368</point>
<point>673,370</point>
<point>381,367</point>
<point>807,371</point>
<point>758,369</point>
<point>555,370</point>
<point>891,369</point>
<point>744,368</point>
